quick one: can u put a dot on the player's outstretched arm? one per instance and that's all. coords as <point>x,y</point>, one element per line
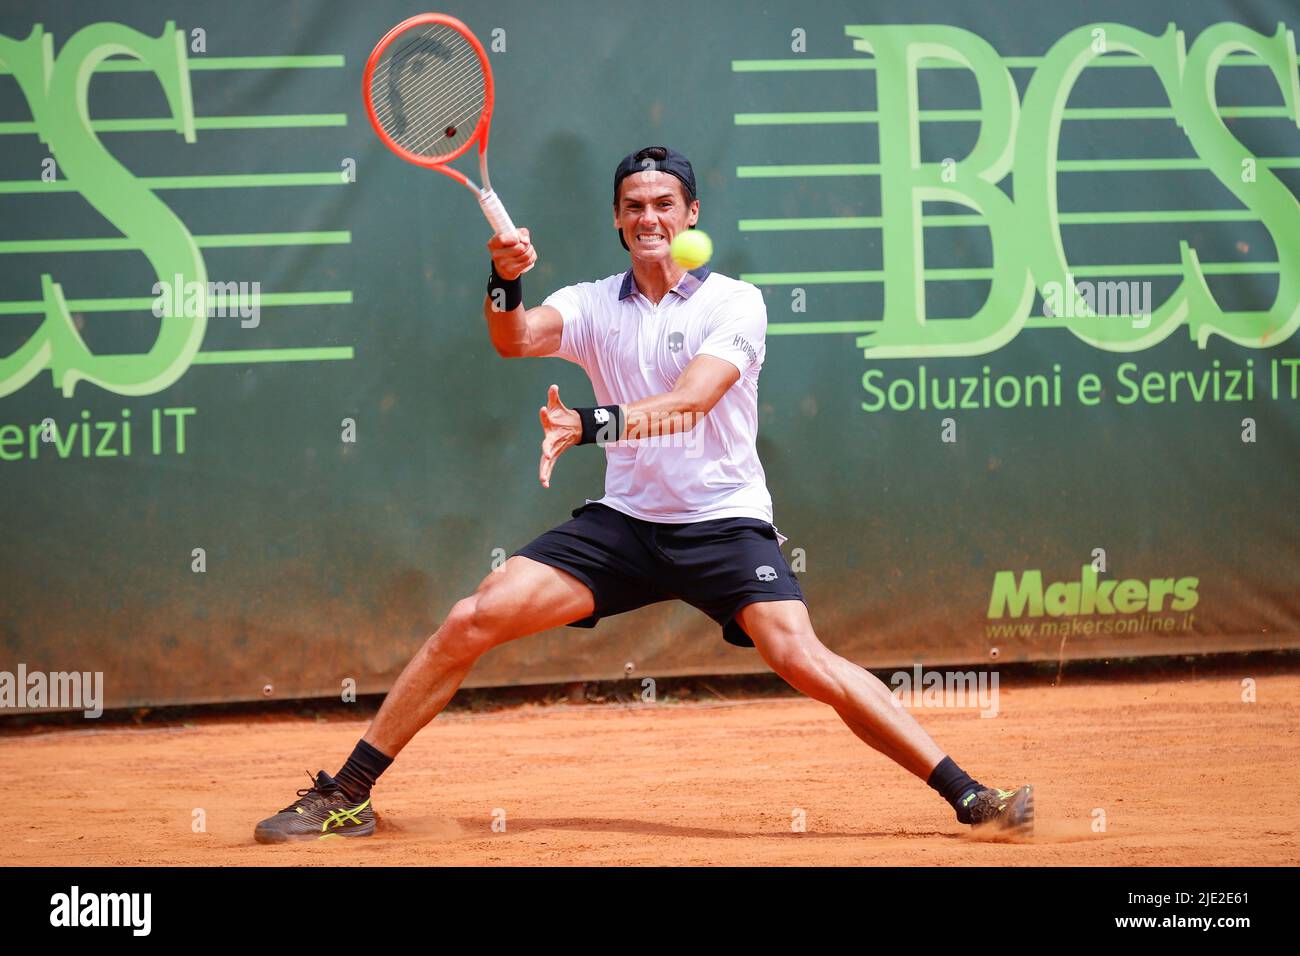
<point>703,382</point>
<point>515,331</point>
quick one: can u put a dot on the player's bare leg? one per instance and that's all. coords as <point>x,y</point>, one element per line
<point>783,634</point>
<point>522,598</point>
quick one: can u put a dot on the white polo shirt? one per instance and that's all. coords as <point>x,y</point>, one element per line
<point>632,349</point>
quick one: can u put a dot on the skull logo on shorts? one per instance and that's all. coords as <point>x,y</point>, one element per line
<point>675,342</point>
<point>765,572</point>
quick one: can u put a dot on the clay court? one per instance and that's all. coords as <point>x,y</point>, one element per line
<point>1186,772</point>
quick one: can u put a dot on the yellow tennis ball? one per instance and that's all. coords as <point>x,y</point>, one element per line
<point>692,248</point>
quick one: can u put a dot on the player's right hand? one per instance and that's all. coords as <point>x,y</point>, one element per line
<point>512,257</point>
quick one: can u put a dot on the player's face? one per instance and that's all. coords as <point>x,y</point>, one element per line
<point>651,209</point>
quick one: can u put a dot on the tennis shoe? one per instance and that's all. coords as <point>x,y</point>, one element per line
<point>321,811</point>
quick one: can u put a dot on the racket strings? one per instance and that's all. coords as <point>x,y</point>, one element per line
<point>431,110</point>
<point>464,67</point>
<point>452,120</point>
<point>427,43</point>
<point>412,42</point>
<point>439,100</point>
<point>464,109</point>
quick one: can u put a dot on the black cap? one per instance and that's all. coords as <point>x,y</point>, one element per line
<point>665,159</point>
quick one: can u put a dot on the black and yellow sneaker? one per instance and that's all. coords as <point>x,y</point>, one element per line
<point>1005,810</point>
<point>321,811</point>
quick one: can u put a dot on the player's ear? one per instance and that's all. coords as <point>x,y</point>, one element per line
<point>694,217</point>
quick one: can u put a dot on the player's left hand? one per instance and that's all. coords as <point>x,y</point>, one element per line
<point>561,429</point>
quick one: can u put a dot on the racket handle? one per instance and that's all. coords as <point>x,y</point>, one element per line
<point>496,213</point>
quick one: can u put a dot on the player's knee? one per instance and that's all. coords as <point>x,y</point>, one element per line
<point>799,660</point>
<point>465,634</point>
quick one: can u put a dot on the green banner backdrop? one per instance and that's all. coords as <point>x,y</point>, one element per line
<point>1032,278</point>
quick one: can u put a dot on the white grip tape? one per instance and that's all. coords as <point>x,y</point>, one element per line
<point>496,213</point>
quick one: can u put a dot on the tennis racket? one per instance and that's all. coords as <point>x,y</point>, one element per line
<point>429,95</point>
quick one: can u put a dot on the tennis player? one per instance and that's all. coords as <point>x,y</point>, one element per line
<point>672,355</point>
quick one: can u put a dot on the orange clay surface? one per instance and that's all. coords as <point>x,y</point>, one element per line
<point>1185,772</point>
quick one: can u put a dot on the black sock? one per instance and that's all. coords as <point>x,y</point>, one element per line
<point>954,785</point>
<point>361,771</point>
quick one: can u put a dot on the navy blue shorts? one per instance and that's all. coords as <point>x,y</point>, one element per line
<point>718,566</point>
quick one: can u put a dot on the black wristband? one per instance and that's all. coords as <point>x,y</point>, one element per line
<point>602,424</point>
<point>510,295</point>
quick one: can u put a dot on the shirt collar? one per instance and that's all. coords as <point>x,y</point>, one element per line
<point>685,287</point>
